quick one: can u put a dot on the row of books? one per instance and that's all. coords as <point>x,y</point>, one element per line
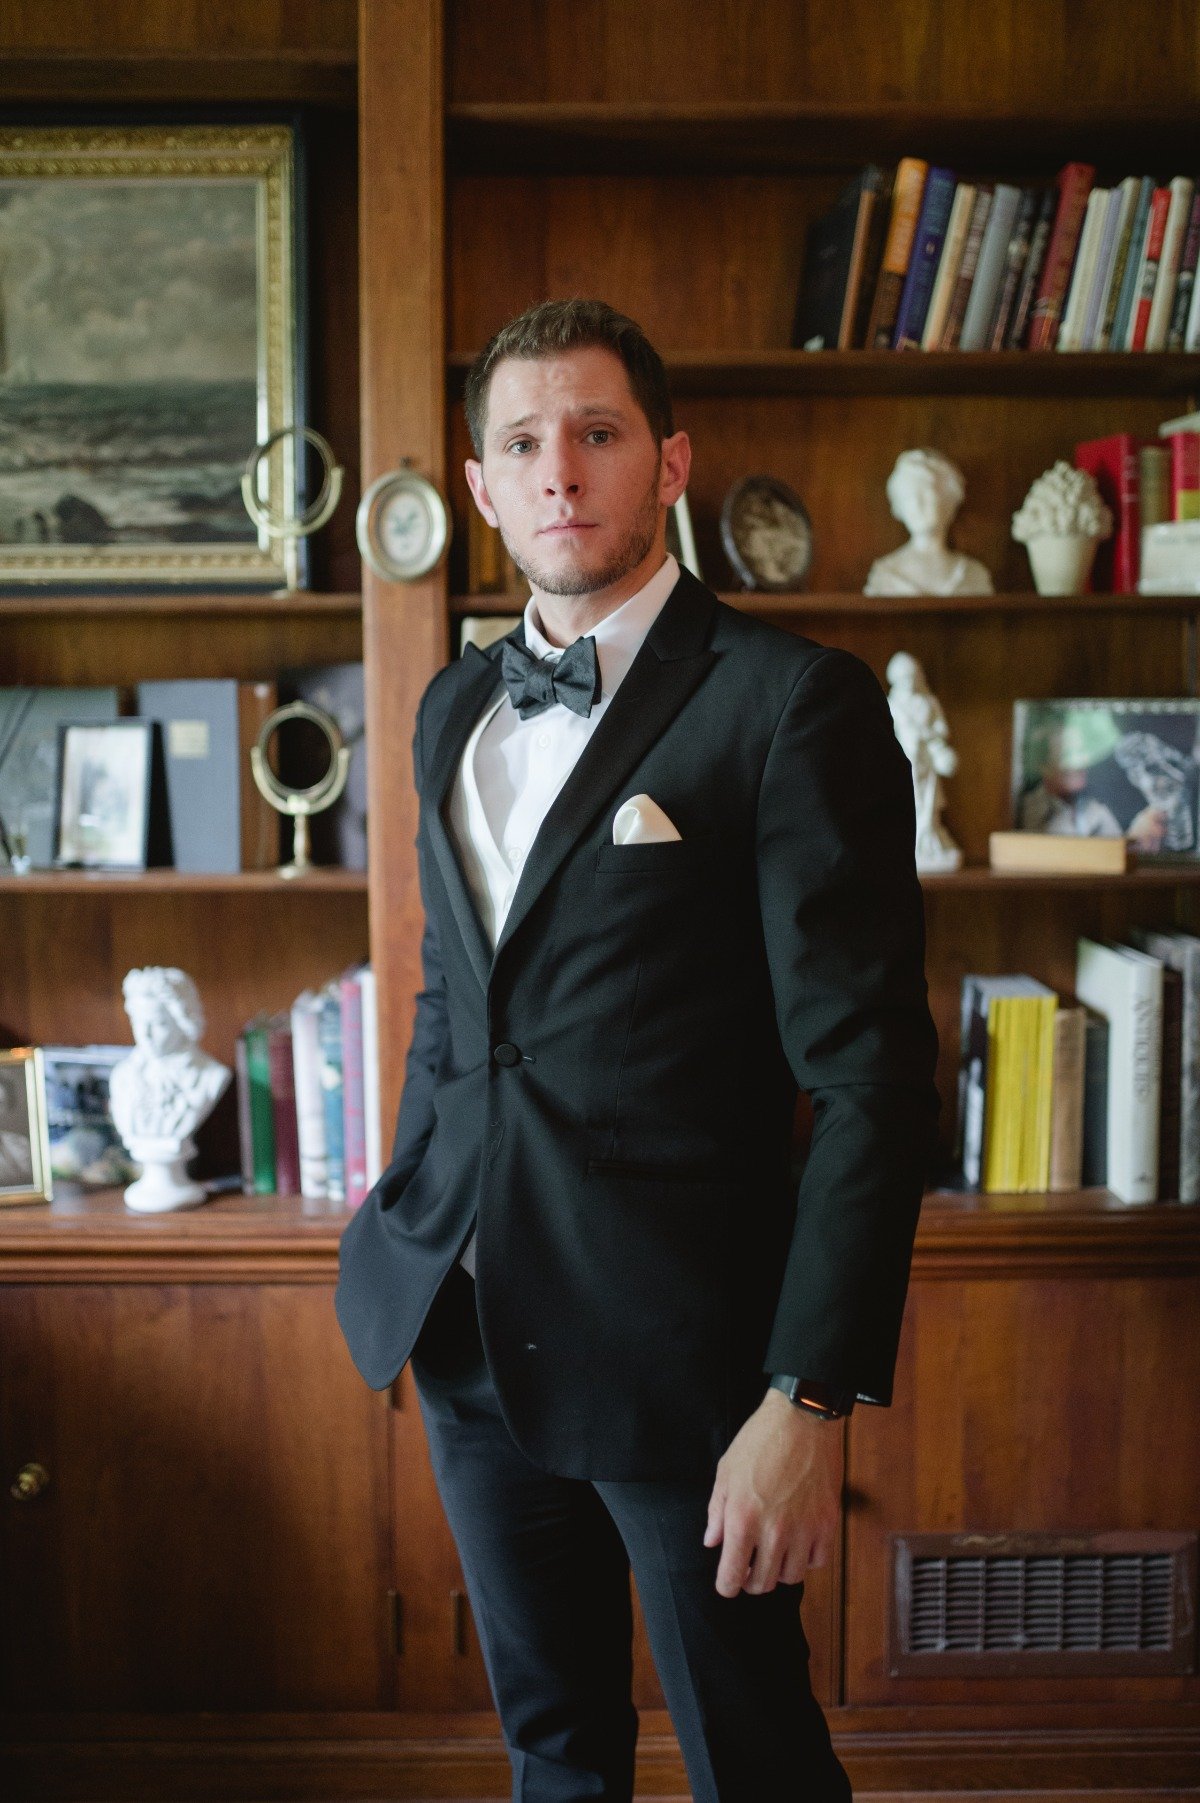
<point>1145,481</point>
<point>217,820</point>
<point>915,258</point>
<point>308,1093</point>
<point>1098,1088</point>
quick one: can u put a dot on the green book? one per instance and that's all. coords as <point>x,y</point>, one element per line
<point>262,1117</point>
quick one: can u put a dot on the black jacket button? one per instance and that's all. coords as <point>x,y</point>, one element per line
<point>507,1053</point>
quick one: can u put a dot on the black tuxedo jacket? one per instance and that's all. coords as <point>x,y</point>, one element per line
<point>612,1094</point>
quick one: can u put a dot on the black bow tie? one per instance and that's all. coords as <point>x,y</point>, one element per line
<point>536,682</point>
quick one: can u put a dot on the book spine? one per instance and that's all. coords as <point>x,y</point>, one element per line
<point>1133,1090</point>
<point>354,1126</point>
<point>906,208</point>
<point>330,1044</point>
<point>370,1020</point>
<point>1171,1063</point>
<point>310,1106</point>
<point>1116,278</point>
<point>1015,260</point>
<point>245,1127</point>
<point>1066,1106</point>
<point>261,1113</point>
<point>1185,475</point>
<point>960,299</point>
<point>1095,1102</point>
<point>949,265</point>
<point>1181,191</point>
<point>283,1106</point>
<point>1075,184</point>
<point>1147,276</point>
<point>1039,244</point>
<point>259,822</point>
<point>930,236</point>
<point>1187,279</point>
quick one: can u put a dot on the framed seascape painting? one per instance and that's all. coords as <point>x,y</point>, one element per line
<point>151,310</point>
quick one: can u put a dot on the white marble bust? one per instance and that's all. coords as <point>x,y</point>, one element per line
<point>166,1088</point>
<point>924,736</point>
<point>925,491</point>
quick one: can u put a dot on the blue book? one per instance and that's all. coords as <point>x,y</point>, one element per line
<point>936,203</point>
<point>1137,237</point>
<point>201,751</point>
<point>329,1050</point>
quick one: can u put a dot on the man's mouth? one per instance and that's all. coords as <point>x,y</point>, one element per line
<point>565,528</point>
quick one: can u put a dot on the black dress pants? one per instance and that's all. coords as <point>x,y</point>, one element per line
<point>547,1561</point>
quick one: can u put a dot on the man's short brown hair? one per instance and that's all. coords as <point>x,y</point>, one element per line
<point>569,325</point>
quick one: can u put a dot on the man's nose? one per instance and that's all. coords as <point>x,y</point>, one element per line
<point>561,474</point>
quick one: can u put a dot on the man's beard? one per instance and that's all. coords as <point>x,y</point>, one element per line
<point>634,548</point>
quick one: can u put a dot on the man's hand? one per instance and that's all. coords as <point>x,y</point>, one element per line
<point>777,1497</point>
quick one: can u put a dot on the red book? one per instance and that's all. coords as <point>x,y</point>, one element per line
<point>354,1119</point>
<point>1185,475</point>
<point>1156,228</point>
<point>283,1105</point>
<point>1114,463</point>
<point>1074,185</point>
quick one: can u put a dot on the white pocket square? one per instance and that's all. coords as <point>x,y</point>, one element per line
<point>640,821</point>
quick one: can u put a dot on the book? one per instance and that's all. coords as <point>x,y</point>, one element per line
<point>907,189</point>
<point>1094,1171</point>
<point>1066,1107</point>
<point>1184,287</point>
<point>370,1029</point>
<point>966,269</point>
<point>262,1114</point>
<point>989,272</point>
<point>283,1103</point>
<point>261,824</point>
<point>1181,190</point>
<point>937,200</point>
<point>1184,449</point>
<point>1073,186</point>
<point>241,1071</point>
<point>949,263</point>
<point>835,247</point>
<point>1137,238</point>
<point>1070,331</point>
<point>329,1044</point>
<point>1127,200</point>
<point>217,814</point>
<point>980,1109</point>
<point>1115,464</point>
<point>1031,275</point>
<point>1125,985</point>
<point>1057,851</point>
<point>1181,952</point>
<point>310,1102</point>
<point>1170,1074</point>
<point>354,1126</point>
<point>1147,270</point>
<point>1117,202</point>
<point>1016,257</point>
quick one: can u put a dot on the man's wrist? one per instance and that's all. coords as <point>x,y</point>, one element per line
<point>824,1400</point>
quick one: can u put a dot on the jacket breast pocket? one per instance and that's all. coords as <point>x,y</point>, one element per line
<point>657,856</point>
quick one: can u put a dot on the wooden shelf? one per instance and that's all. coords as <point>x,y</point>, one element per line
<point>281,602</point>
<point>324,879</point>
<point>1042,374</point>
<point>894,606</point>
<point>651,138</point>
<point>317,76</point>
<point>976,877</point>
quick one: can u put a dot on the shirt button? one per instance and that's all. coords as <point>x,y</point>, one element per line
<point>543,739</point>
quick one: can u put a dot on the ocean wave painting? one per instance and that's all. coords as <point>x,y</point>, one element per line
<point>135,376</point>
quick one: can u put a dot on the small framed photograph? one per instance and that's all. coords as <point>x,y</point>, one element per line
<point>86,1151</point>
<point>103,802</point>
<point>24,1142</point>
<point>1128,768</point>
<point>767,534</point>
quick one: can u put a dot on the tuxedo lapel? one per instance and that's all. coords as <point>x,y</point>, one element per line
<point>672,661</point>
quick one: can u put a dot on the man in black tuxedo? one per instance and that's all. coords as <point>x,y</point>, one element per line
<point>666,860</point>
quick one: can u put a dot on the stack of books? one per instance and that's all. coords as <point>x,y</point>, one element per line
<point>915,258</point>
<point>308,1093</point>
<point>1099,1088</point>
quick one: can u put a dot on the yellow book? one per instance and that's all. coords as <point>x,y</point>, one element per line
<point>994,1096</point>
<point>1047,1014</point>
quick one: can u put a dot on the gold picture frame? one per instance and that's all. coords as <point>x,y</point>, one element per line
<point>150,337</point>
<point>24,1128</point>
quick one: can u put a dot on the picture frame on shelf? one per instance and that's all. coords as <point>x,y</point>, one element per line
<point>104,795</point>
<point>1086,766</point>
<point>24,1135</point>
<point>152,305</point>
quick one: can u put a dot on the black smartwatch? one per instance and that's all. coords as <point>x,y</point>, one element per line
<point>821,1399</point>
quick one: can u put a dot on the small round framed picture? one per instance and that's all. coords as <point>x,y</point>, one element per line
<point>402,526</point>
<point>767,534</point>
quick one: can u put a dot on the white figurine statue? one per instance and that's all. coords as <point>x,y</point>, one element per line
<point>923,733</point>
<point>165,1089</point>
<point>925,491</point>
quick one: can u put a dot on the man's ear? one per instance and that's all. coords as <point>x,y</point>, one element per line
<point>479,491</point>
<point>674,467</point>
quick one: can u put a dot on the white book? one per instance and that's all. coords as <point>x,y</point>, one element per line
<point>949,262</point>
<point>1105,264</point>
<point>1191,337</point>
<point>1070,332</point>
<point>1125,985</point>
<point>989,270</point>
<point>1178,213</point>
<point>1128,195</point>
<point>310,1107</point>
<point>1182,952</point>
<point>370,1031</point>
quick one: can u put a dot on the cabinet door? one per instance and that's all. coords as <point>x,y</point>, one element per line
<point>213,1534</point>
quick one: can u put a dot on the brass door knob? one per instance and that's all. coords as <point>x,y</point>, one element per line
<point>29,1482</point>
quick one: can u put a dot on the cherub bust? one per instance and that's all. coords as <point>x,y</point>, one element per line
<point>925,491</point>
<point>166,1087</point>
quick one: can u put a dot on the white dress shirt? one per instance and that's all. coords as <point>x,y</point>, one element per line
<point>512,769</point>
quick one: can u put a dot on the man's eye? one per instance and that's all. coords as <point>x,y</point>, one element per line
<point>600,432</point>
<point>518,442</point>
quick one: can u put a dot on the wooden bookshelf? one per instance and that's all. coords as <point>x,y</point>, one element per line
<point>893,607</point>
<point>323,879</point>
